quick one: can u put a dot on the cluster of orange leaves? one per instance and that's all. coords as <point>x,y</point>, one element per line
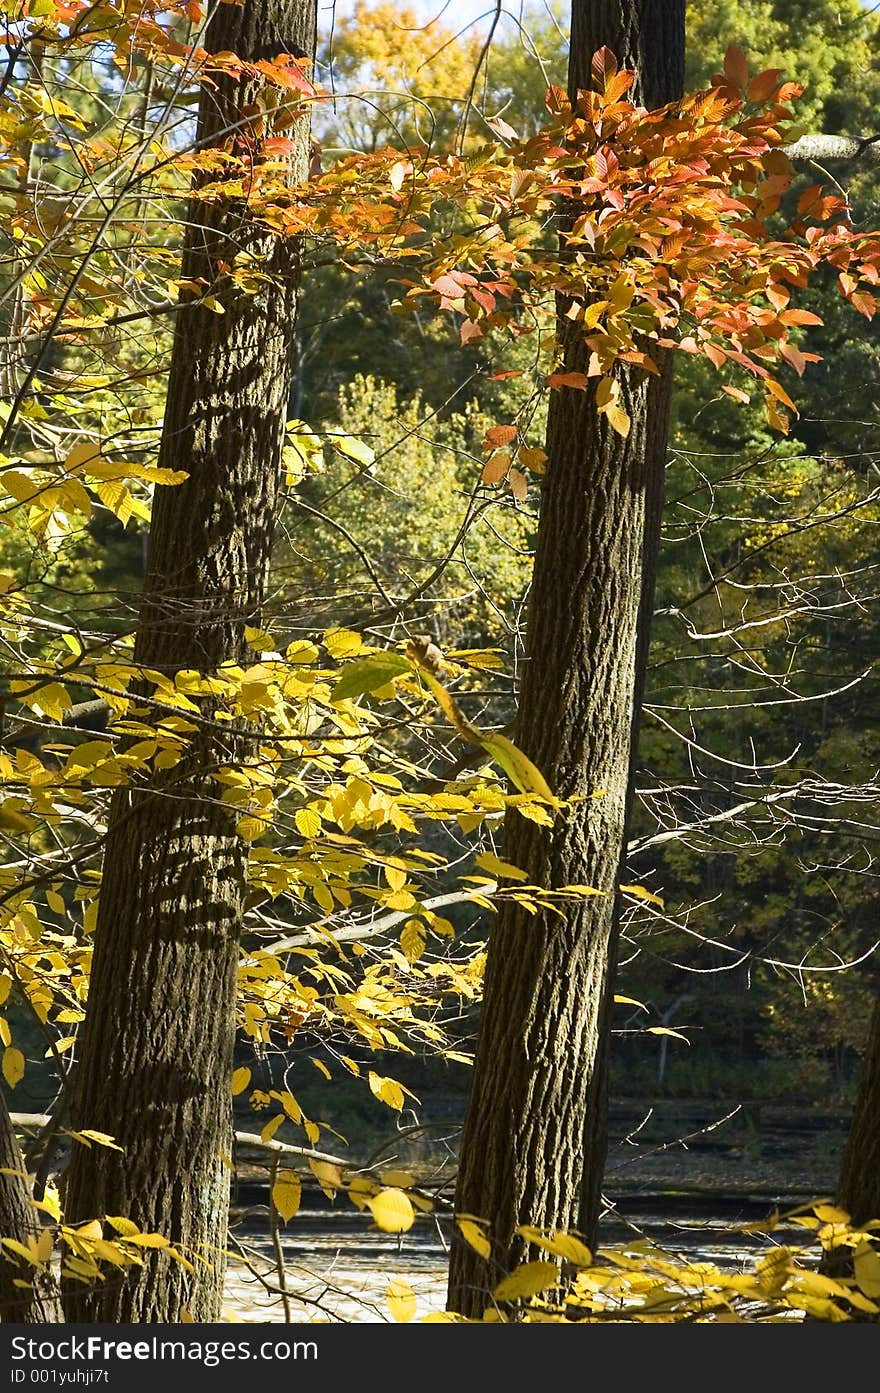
<point>651,228</point>
<point>663,219</point>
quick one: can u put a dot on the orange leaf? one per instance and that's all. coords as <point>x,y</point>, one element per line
<point>603,67</point>
<point>568,379</point>
<point>799,317</point>
<point>499,435</point>
<point>495,469</point>
<point>780,394</point>
<point>519,484</point>
<point>763,86</point>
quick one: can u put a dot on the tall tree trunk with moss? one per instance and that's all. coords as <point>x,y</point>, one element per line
<point>157,1042</point>
<point>533,1147</point>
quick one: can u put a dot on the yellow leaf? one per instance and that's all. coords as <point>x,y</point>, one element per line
<point>473,1233</point>
<point>83,456</point>
<point>388,1091</point>
<point>342,643</point>
<point>125,1227</point>
<point>328,1176</point>
<point>401,1179</point>
<point>866,1263</point>
<point>830,1214</point>
<point>18,1248</point>
<point>271,1127</point>
<point>148,1240</point>
<point>401,1300</point>
<point>240,1080</point>
<point>321,1068</point>
<point>360,1189</point>
<point>50,1203</point>
<point>618,419</point>
<point>52,700</point>
<point>630,1001</point>
<point>412,939</point>
<point>527,1280</point>
<point>13,1066</point>
<point>563,1245</point>
<point>307,821</point>
<point>44,1245</point>
<point>250,828</point>
<point>665,1030</point>
<point>392,1211</point>
<point>287,1194</point>
<point>93,1229</point>
<point>89,1135</point>
<point>640,893</point>
<point>496,867</point>
<point>516,765</point>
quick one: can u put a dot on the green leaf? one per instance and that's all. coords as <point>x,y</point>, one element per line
<point>369,674</point>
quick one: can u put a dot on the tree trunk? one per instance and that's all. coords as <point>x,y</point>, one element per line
<point>158,1038</point>
<point>37,1304</point>
<point>858,1190</point>
<point>539,1073</point>
<point>858,1186</point>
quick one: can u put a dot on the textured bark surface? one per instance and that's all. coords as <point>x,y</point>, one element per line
<point>540,1064</point>
<point>38,1304</point>
<point>158,1038</point>
<point>858,1189</point>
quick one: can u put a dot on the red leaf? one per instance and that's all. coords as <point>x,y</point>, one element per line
<point>809,197</point>
<point>469,330</point>
<point>736,67</point>
<point>445,285</point>
<point>277,145</point>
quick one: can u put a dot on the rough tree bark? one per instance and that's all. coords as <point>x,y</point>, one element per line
<point>38,1304</point>
<point>858,1186</point>
<point>157,1042</point>
<point>539,1085</point>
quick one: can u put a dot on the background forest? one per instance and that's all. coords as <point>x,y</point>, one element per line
<point>748,967</point>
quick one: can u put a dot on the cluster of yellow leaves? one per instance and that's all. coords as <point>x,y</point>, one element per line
<point>640,1282</point>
